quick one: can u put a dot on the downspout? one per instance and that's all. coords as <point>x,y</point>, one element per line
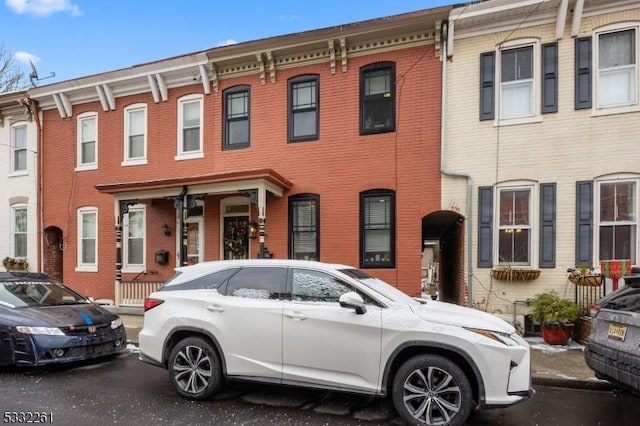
<point>445,172</point>
<point>35,113</point>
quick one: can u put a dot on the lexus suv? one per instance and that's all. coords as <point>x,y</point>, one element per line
<point>331,327</point>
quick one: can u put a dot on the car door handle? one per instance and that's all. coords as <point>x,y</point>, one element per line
<point>297,316</point>
<point>215,308</point>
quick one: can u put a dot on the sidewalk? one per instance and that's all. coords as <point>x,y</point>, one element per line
<point>559,366</point>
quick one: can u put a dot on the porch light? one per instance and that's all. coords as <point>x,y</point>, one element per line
<point>252,229</point>
<point>166,230</point>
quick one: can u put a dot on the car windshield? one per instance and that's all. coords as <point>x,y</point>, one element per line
<point>379,287</point>
<point>20,294</point>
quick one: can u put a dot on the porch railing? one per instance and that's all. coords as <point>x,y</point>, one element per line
<point>133,293</point>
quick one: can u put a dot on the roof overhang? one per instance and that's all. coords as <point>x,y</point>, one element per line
<point>15,105</point>
<point>212,184</point>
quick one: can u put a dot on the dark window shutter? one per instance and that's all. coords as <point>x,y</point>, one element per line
<point>548,225</point>
<point>550,77</point>
<point>584,223</point>
<point>583,73</point>
<point>485,227</point>
<point>487,83</point>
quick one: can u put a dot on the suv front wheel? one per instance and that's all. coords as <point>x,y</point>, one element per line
<point>195,368</point>
<point>432,390</point>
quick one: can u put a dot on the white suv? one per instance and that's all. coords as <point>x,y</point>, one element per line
<point>332,327</point>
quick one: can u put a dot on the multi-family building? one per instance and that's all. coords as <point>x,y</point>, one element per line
<point>321,145</point>
<point>18,196</point>
<point>541,115</point>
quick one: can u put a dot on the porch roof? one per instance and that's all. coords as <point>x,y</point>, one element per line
<point>238,180</point>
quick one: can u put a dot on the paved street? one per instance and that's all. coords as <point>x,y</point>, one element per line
<point>123,390</point>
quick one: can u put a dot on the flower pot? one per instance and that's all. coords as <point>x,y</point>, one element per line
<point>556,334</point>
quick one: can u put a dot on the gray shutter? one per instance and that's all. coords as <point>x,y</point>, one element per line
<point>583,73</point>
<point>485,227</point>
<point>584,222</point>
<point>550,77</point>
<point>487,83</point>
<point>548,225</point>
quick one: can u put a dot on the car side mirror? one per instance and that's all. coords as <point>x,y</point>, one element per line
<point>353,300</point>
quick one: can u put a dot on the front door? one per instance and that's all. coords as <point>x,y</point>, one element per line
<point>236,237</point>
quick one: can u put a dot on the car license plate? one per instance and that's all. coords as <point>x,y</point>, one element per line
<point>617,332</point>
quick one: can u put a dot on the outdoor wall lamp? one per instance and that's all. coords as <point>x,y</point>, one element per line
<point>252,228</point>
<point>166,230</point>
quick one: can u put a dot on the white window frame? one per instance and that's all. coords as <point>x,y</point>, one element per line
<point>199,153</point>
<point>134,267</point>
<point>14,170</point>
<point>128,160</point>
<point>81,266</point>
<point>619,178</point>
<point>535,115</point>
<point>532,226</point>
<point>632,106</point>
<point>14,209</point>
<point>79,164</point>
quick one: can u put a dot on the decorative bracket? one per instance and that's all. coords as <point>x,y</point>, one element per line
<point>214,76</point>
<point>438,39</point>
<point>332,56</point>
<point>343,53</point>
<point>271,65</point>
<point>260,60</point>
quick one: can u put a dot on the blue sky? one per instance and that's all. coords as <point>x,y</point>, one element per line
<point>76,38</point>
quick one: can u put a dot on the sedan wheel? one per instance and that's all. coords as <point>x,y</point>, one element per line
<point>432,390</point>
<point>194,367</point>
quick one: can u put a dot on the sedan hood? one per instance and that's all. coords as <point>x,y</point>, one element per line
<point>67,315</point>
<point>450,314</point>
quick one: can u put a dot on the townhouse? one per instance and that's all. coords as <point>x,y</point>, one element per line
<point>19,165</point>
<point>541,115</point>
<point>321,145</point>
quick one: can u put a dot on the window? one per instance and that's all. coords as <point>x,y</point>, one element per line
<point>316,286</point>
<point>134,239</point>
<point>377,98</point>
<point>87,141</point>
<point>377,224</point>
<point>135,139</point>
<point>303,108</point>
<point>19,148</point>
<point>514,226</point>
<point>88,239</point>
<point>19,230</point>
<point>618,220</point>
<point>236,117</point>
<point>190,127</point>
<point>516,82</point>
<point>304,221</point>
<point>617,77</point>
<point>257,283</point>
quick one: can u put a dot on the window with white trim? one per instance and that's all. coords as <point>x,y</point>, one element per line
<point>134,225</point>
<point>135,137</point>
<point>88,239</point>
<point>18,148</point>
<point>190,127</point>
<point>518,80</point>
<point>514,225</point>
<point>617,66</point>
<point>19,230</point>
<point>618,219</point>
<point>87,157</point>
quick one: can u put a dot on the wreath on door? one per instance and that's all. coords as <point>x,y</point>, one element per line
<point>235,238</point>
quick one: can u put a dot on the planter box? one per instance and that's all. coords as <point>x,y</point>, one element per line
<point>513,274</point>
<point>586,280</point>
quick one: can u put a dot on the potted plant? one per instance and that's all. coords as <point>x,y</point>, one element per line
<point>584,275</point>
<point>556,316</point>
<point>15,264</point>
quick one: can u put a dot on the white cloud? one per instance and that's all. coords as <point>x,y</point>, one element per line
<point>228,42</point>
<point>42,8</point>
<point>25,58</point>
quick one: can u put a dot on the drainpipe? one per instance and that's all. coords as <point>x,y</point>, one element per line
<point>445,172</point>
<point>35,113</point>
<point>183,229</point>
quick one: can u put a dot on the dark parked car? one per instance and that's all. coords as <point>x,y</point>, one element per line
<point>42,321</point>
<point>613,351</point>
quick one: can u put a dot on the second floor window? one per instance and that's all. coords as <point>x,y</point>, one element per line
<point>516,82</point>
<point>377,98</point>
<point>135,133</point>
<point>87,141</point>
<point>303,108</point>
<point>190,126</point>
<point>19,148</point>
<point>236,117</point>
<point>19,229</point>
<point>304,218</point>
<point>617,68</point>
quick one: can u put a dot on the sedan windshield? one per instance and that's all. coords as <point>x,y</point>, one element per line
<point>380,288</point>
<point>22,294</point>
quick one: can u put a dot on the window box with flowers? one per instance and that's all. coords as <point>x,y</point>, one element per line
<point>515,274</point>
<point>15,264</point>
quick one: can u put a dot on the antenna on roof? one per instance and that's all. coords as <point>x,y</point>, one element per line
<point>33,75</point>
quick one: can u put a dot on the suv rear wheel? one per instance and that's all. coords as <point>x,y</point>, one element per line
<point>432,390</point>
<point>195,368</point>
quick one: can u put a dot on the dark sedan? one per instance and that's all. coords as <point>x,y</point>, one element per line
<point>42,322</point>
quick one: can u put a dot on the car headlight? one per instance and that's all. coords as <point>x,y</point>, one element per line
<point>49,331</point>
<point>503,338</point>
<point>116,323</point>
